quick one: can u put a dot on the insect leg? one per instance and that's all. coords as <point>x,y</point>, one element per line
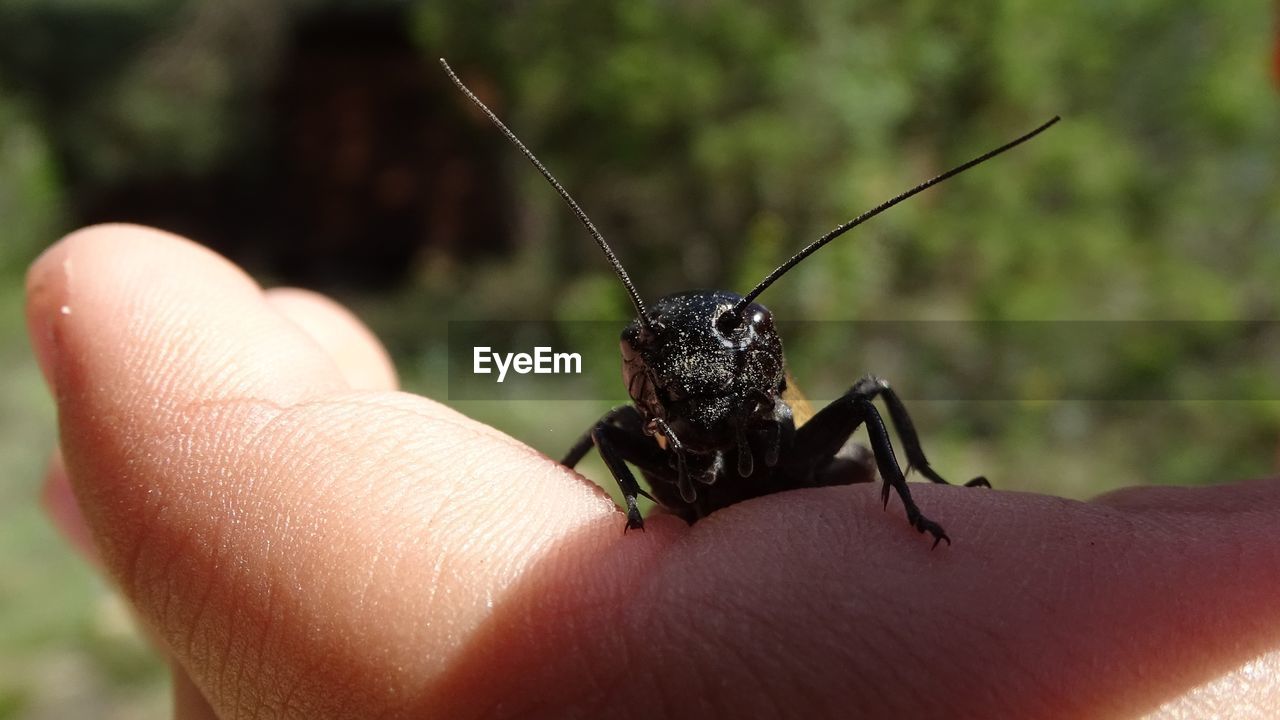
<point>619,441</point>
<point>623,415</point>
<point>819,440</point>
<point>870,387</point>
<point>658,427</point>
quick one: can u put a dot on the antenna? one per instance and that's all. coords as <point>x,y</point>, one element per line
<point>577,211</point>
<point>737,310</point>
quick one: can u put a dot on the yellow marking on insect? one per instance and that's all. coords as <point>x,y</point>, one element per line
<point>801,409</point>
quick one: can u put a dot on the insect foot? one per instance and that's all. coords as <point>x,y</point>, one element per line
<point>923,524</point>
<point>634,520</point>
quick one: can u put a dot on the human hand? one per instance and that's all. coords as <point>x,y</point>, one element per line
<point>304,541</point>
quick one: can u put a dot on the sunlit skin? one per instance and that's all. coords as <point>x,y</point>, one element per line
<point>302,540</point>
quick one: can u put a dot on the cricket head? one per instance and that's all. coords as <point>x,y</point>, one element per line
<point>707,378</point>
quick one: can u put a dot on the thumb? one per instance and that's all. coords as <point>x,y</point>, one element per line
<point>298,545</point>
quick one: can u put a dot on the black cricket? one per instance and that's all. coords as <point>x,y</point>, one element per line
<point>709,424</point>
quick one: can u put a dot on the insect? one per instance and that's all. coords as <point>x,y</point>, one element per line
<point>711,421</point>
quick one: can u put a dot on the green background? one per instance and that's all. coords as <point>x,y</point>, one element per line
<point>708,140</point>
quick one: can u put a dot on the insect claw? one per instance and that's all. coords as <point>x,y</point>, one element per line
<point>979,481</point>
<point>634,520</point>
<point>924,525</point>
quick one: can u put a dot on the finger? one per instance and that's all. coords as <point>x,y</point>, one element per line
<point>1042,608</point>
<point>60,505</point>
<point>67,292</point>
<point>188,702</point>
<point>1251,690</point>
<point>360,358</point>
<point>296,545</point>
<point>816,604</point>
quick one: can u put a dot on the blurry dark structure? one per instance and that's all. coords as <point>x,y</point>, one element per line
<point>372,162</point>
<point>353,156</point>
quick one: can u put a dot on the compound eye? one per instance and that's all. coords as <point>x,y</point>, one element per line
<point>754,322</point>
<point>759,318</point>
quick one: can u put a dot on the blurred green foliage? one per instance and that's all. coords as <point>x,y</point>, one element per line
<point>709,140</point>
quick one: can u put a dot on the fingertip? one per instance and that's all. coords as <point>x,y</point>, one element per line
<point>125,314</point>
<point>46,289</point>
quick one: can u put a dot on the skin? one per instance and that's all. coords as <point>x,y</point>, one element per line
<point>304,541</point>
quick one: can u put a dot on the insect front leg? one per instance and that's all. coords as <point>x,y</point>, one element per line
<point>619,439</point>
<point>622,416</point>
<point>818,441</point>
<point>657,427</point>
<point>871,386</point>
